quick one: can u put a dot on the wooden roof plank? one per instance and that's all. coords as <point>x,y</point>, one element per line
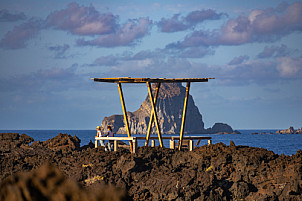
<point>151,80</point>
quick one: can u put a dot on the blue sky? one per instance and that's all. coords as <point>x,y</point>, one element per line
<point>49,50</point>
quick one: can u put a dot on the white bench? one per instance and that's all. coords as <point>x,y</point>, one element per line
<point>190,139</point>
<point>172,141</point>
<point>116,139</point>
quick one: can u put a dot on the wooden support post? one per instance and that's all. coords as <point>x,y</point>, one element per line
<point>96,143</point>
<point>209,142</point>
<point>172,144</point>
<point>134,142</point>
<point>191,145</point>
<point>152,115</point>
<point>115,145</point>
<point>124,111</point>
<point>152,143</point>
<point>184,115</point>
<point>155,115</point>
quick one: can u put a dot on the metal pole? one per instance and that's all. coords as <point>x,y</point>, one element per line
<point>155,114</point>
<point>152,115</point>
<point>125,113</point>
<point>184,115</point>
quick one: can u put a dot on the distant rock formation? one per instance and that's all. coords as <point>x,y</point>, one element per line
<point>221,128</point>
<point>169,110</point>
<point>291,130</point>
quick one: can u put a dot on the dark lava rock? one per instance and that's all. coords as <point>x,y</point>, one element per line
<point>89,145</point>
<point>10,141</point>
<point>62,142</point>
<point>210,172</point>
<point>48,183</point>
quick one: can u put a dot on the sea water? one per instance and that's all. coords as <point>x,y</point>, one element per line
<point>287,144</point>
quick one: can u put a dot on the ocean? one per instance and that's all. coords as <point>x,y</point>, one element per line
<point>287,144</point>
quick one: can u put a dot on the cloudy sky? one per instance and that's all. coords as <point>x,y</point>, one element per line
<point>49,50</point>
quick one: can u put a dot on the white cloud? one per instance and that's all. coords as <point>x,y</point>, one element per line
<point>125,35</point>
<point>290,67</point>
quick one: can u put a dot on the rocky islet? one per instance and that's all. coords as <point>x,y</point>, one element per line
<point>291,130</point>
<point>169,110</point>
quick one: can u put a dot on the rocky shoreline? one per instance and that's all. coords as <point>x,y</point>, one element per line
<point>210,172</point>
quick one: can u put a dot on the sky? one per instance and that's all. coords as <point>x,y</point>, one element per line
<point>49,50</point>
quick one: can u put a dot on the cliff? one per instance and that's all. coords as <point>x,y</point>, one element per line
<point>169,110</point>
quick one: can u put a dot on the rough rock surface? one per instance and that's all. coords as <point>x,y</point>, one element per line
<point>62,142</point>
<point>49,183</point>
<point>10,141</point>
<point>210,172</point>
<point>169,110</point>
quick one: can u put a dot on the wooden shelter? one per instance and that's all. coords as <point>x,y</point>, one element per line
<point>153,100</point>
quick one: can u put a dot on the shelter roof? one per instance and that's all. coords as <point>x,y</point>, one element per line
<point>151,80</point>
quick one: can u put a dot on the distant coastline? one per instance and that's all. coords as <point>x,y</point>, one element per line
<point>279,143</point>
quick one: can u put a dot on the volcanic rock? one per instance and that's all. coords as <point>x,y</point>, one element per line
<point>169,110</point>
<point>49,183</point>
<point>10,141</point>
<point>210,172</point>
<point>62,142</point>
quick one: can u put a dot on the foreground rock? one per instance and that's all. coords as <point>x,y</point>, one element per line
<point>169,111</point>
<point>211,172</point>
<point>48,183</point>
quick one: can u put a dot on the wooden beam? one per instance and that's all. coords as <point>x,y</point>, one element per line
<point>134,150</point>
<point>155,114</point>
<point>152,115</point>
<point>124,112</point>
<point>115,145</point>
<point>191,145</point>
<point>115,138</point>
<point>172,144</point>
<point>184,115</point>
<point>155,138</point>
<point>151,80</point>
